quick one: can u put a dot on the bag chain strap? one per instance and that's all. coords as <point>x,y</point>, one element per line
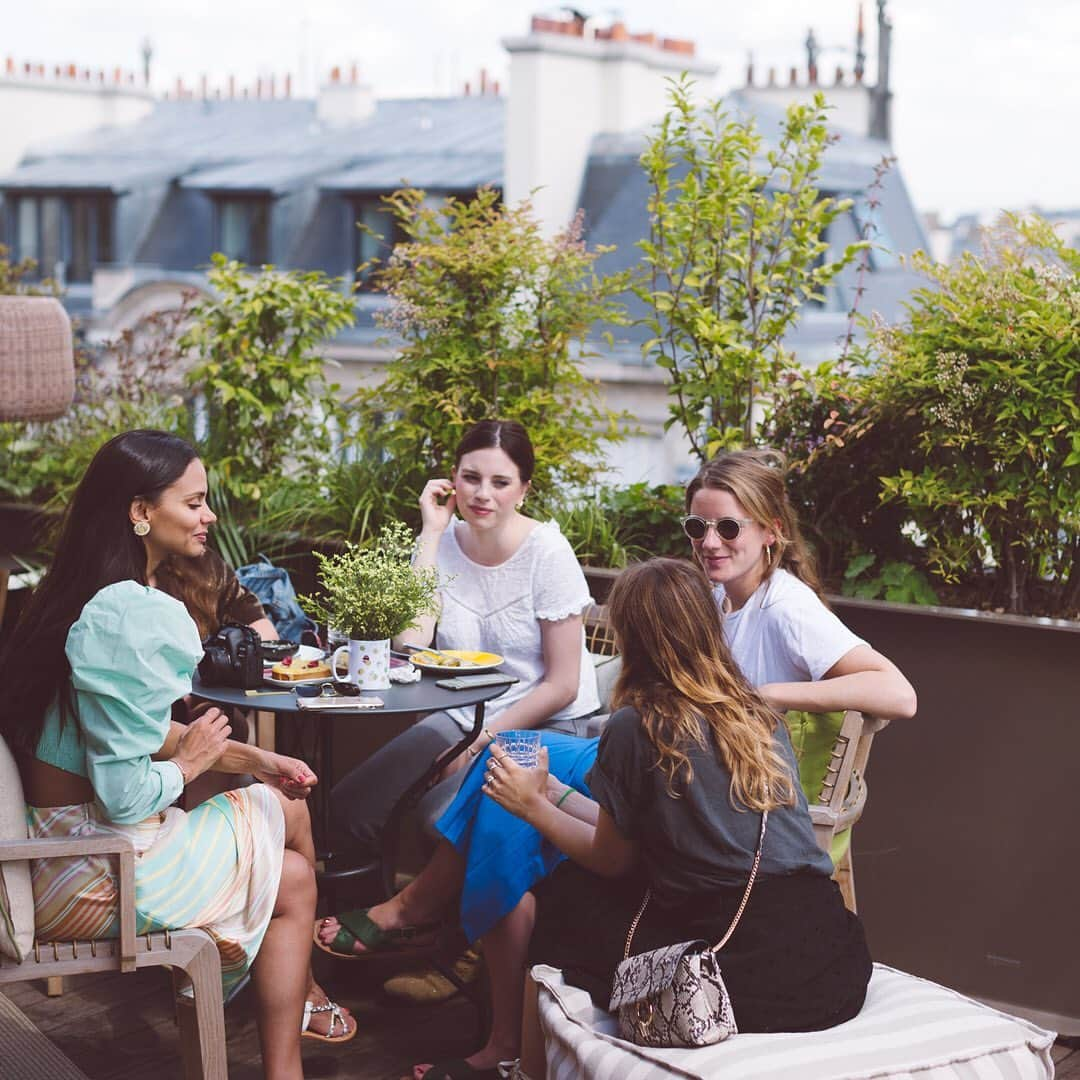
<point>738,914</point>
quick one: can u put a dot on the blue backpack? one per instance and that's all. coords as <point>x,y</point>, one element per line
<point>274,590</point>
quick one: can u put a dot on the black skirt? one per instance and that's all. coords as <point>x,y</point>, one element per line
<point>797,961</point>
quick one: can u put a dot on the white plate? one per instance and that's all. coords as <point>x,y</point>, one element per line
<point>473,661</point>
<point>302,655</point>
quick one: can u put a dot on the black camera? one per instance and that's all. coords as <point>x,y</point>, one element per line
<point>233,657</point>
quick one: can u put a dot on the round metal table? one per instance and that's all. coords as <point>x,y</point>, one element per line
<point>416,699</point>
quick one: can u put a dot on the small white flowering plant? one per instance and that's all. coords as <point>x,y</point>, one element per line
<point>374,592</point>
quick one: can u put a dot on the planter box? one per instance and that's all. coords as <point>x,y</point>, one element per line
<point>966,860</point>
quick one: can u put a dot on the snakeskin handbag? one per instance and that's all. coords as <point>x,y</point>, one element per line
<point>675,996</point>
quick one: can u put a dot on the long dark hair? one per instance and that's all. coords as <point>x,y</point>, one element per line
<point>678,673</point>
<point>508,436</point>
<point>97,547</point>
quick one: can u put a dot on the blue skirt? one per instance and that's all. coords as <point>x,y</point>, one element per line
<point>504,856</point>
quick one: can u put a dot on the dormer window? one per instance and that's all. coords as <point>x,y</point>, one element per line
<point>66,235</point>
<point>243,229</point>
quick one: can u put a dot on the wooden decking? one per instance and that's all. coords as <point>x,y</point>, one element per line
<point>120,1027</point>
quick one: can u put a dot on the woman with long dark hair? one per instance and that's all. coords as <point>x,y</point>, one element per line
<point>95,664</point>
<point>511,585</point>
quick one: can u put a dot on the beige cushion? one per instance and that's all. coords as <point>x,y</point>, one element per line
<point>909,1028</point>
<point>16,894</point>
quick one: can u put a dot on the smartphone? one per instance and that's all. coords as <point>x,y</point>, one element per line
<point>471,682</point>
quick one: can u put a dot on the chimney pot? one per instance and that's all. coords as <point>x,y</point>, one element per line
<point>793,77</point>
<point>258,86</point>
<point>750,71</point>
<point>232,87</point>
<point>9,66</point>
<point>772,76</point>
<point>56,72</point>
<point>839,75</point>
<point>41,72</point>
<point>118,76</point>
<point>468,89</point>
<point>101,75</point>
<point>354,75</point>
<point>270,88</point>
<point>495,87</point>
<point>335,74</point>
<point>203,89</point>
<point>678,45</point>
<point>288,84</point>
<point>483,81</point>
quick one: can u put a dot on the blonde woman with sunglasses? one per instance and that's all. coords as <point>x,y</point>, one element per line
<point>786,642</point>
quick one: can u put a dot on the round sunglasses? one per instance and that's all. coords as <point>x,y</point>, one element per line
<point>727,528</point>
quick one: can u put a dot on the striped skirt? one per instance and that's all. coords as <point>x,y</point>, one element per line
<point>216,868</point>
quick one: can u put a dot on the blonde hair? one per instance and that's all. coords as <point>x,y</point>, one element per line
<point>756,479</point>
<point>678,673</point>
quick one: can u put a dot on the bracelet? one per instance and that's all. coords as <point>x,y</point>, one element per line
<point>565,795</point>
<point>476,751</point>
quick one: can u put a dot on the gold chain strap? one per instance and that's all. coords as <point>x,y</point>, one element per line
<point>738,914</point>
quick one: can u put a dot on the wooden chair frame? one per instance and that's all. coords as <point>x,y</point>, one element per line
<point>191,954</point>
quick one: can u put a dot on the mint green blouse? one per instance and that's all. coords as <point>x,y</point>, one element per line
<point>132,652</point>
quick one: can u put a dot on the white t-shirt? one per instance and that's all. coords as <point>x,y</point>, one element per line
<point>499,609</point>
<point>784,633</point>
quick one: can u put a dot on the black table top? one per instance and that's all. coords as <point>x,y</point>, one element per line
<point>420,697</point>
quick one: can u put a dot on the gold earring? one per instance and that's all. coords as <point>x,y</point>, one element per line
<point>141,528</point>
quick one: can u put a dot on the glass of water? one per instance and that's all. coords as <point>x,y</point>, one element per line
<point>522,746</point>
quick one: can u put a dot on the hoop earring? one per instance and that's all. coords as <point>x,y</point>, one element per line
<point>141,528</point>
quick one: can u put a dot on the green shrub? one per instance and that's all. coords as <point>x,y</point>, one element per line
<point>258,343</point>
<point>492,319</point>
<point>736,248</point>
<point>986,370</point>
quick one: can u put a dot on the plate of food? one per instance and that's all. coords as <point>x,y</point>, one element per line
<point>306,665</point>
<point>456,660</point>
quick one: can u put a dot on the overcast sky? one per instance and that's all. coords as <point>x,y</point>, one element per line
<point>986,92</point>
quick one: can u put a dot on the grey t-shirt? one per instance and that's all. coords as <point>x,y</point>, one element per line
<point>698,841</point>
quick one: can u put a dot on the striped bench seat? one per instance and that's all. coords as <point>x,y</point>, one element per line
<point>908,1028</point>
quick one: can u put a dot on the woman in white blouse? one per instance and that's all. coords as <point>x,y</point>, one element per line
<point>511,585</point>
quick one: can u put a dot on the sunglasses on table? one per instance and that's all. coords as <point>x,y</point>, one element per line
<point>727,528</point>
<point>328,689</point>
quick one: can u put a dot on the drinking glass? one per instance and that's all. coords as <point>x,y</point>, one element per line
<point>522,746</point>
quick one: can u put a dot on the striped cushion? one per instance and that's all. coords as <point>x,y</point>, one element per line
<point>909,1027</point>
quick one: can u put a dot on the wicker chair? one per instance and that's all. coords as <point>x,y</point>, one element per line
<point>191,954</point>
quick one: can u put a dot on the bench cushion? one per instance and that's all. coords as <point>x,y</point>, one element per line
<point>908,1027</point>
<point>16,893</point>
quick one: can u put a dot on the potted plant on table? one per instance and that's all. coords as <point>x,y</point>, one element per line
<point>373,594</point>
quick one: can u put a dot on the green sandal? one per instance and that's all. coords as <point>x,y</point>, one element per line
<point>357,926</point>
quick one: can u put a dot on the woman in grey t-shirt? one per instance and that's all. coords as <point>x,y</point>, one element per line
<point>686,765</point>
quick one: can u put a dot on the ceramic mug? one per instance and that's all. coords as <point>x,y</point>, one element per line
<point>369,664</point>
